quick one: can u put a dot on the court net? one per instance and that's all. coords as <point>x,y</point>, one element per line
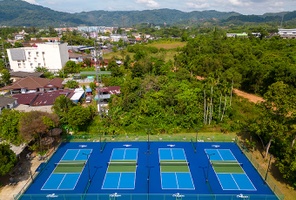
<point>227,167</point>
<point>69,167</point>
<point>122,166</point>
<point>174,166</point>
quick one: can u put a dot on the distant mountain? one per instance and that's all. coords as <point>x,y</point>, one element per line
<point>22,13</point>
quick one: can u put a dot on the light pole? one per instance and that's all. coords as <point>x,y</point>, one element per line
<point>209,157</point>
<point>87,155</point>
<point>148,139</point>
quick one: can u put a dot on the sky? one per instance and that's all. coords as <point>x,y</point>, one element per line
<point>246,7</point>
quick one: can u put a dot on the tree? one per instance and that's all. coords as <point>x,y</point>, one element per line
<point>9,129</point>
<point>79,117</point>
<point>70,67</point>
<point>5,77</point>
<point>7,159</point>
<point>62,106</point>
<point>72,84</point>
<point>272,124</point>
<point>35,124</point>
<point>45,71</point>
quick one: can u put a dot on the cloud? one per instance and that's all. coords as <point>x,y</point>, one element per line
<point>148,3</point>
<point>238,2</point>
<point>200,4</point>
<point>32,2</point>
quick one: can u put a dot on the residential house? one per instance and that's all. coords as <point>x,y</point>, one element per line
<point>51,55</point>
<point>41,101</point>
<point>106,92</point>
<point>104,96</point>
<point>7,103</point>
<point>34,84</point>
<point>77,57</point>
<point>19,75</point>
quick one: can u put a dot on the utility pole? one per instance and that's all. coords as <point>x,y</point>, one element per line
<point>98,60</point>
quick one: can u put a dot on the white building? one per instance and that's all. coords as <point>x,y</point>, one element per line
<point>287,33</point>
<point>51,55</point>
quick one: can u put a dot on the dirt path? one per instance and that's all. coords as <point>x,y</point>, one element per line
<point>251,97</point>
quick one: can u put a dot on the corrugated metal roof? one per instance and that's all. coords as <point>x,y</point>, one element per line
<point>4,101</point>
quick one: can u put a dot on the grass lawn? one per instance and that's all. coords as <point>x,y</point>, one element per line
<point>169,46</point>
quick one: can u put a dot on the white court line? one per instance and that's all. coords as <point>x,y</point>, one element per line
<point>235,182</point>
<point>232,154</point>
<point>118,183</point>
<point>172,155</point>
<point>192,183</point>
<point>254,188</point>
<point>61,181</point>
<point>217,150</point>
<point>77,154</point>
<point>177,183</point>
<point>124,154</point>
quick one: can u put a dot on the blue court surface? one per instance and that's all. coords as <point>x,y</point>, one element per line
<point>120,178</point>
<point>129,170</point>
<point>229,180</point>
<point>174,179</point>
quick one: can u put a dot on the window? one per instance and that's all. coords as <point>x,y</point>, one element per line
<point>39,64</point>
<point>31,64</point>
<point>37,54</point>
<point>29,54</point>
<point>19,65</point>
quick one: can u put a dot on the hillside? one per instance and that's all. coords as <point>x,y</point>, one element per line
<point>22,13</point>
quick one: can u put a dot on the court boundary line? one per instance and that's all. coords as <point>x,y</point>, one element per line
<point>178,187</point>
<point>255,189</point>
<point>87,159</point>
<point>78,150</point>
<point>121,148</point>
<point>177,182</point>
<point>232,153</point>
<point>190,178</point>
<point>120,173</point>
<point>62,181</point>
<point>229,152</point>
<point>205,150</point>
<point>65,174</point>
<point>171,150</point>
<point>209,160</point>
<point>235,182</point>
<point>218,151</point>
<point>175,173</point>
<point>118,183</point>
